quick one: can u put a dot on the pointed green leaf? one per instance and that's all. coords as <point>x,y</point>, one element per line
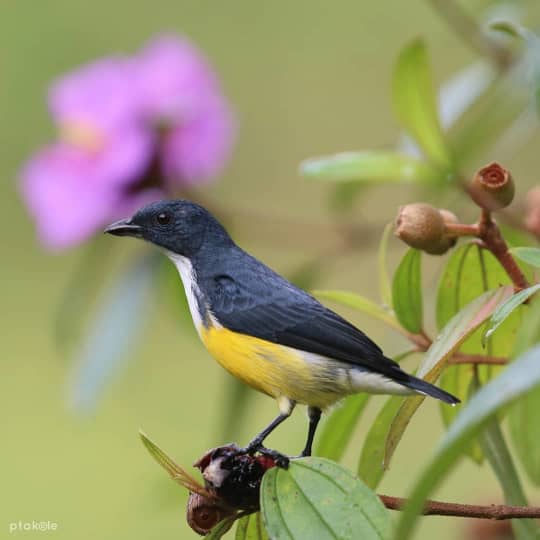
<point>523,417</point>
<point>459,381</point>
<point>498,455</point>
<point>369,166</point>
<point>371,466</point>
<point>339,427</point>
<point>360,303</point>
<point>407,292</point>
<point>251,527</point>
<point>160,456</point>
<point>79,293</point>
<point>113,332</point>
<point>221,529</point>
<point>525,432</point>
<point>517,380</point>
<point>529,255</point>
<point>384,278</point>
<point>317,498</point>
<point>413,95</point>
<point>470,272</point>
<point>506,308</point>
<point>456,331</point>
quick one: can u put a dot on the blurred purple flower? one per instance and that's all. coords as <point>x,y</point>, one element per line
<point>131,130</point>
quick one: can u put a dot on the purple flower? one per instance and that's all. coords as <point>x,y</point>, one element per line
<point>130,130</point>
<point>181,94</point>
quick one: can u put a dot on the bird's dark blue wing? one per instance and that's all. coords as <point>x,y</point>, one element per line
<point>256,301</point>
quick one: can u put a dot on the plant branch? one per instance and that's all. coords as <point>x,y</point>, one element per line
<point>493,240</point>
<point>476,359</point>
<point>423,343</point>
<point>492,511</point>
<point>462,229</point>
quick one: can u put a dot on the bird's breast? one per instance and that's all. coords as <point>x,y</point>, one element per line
<point>278,370</point>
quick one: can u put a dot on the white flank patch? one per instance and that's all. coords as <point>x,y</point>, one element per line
<point>355,378</point>
<point>373,383</point>
<point>185,269</point>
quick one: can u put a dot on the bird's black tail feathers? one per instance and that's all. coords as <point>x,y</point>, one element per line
<point>428,389</point>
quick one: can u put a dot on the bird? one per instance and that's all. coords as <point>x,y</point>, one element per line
<point>270,334</point>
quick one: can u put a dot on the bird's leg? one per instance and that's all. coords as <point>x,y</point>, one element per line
<point>314,415</point>
<point>256,443</point>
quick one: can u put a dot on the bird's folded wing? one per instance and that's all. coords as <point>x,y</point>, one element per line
<point>288,316</point>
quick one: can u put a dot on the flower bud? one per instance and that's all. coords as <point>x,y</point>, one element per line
<point>233,477</point>
<point>532,211</point>
<point>422,226</point>
<point>492,187</point>
<point>204,513</point>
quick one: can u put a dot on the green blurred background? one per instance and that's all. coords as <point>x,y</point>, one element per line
<point>306,78</point>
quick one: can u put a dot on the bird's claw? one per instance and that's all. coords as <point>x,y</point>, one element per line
<point>281,460</point>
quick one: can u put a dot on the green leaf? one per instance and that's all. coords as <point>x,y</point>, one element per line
<point>384,278</point>
<point>517,380</point>
<point>251,527</point>
<point>407,292</point>
<point>414,100</point>
<point>525,432</point>
<point>470,272</point>
<point>317,498</point>
<point>222,528</point>
<point>523,416</point>
<point>160,456</point>
<point>529,255</point>
<point>359,303</point>
<point>497,452</point>
<point>506,308</point>
<point>370,166</point>
<point>456,331</point>
<point>515,31</point>
<point>488,119</point>
<point>339,427</point>
<point>371,466</point>
<point>79,293</point>
<point>113,332</point>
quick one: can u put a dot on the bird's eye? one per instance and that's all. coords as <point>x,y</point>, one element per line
<point>163,218</point>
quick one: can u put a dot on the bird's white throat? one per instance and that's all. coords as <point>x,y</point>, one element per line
<point>187,274</point>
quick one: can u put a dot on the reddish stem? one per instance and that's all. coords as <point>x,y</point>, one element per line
<point>492,511</point>
<point>493,240</point>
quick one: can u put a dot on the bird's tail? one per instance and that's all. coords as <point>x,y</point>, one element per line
<point>423,387</point>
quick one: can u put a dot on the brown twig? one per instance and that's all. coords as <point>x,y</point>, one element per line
<point>477,359</point>
<point>493,240</point>
<point>462,229</point>
<point>423,343</point>
<point>492,511</point>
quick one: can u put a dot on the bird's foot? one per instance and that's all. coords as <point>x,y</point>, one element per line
<point>280,459</point>
<point>254,447</point>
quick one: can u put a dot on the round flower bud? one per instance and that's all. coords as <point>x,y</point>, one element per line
<point>234,477</point>
<point>204,513</point>
<point>532,212</point>
<point>492,187</point>
<point>421,226</point>
<point>448,217</point>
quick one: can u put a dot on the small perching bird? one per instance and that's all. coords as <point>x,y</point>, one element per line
<point>270,334</point>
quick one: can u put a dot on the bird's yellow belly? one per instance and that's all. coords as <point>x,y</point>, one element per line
<point>277,370</point>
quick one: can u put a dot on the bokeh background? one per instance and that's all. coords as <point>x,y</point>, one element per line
<point>305,78</point>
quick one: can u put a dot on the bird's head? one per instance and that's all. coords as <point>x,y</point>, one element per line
<point>179,226</point>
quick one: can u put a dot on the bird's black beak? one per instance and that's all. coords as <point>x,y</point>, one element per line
<point>124,227</point>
